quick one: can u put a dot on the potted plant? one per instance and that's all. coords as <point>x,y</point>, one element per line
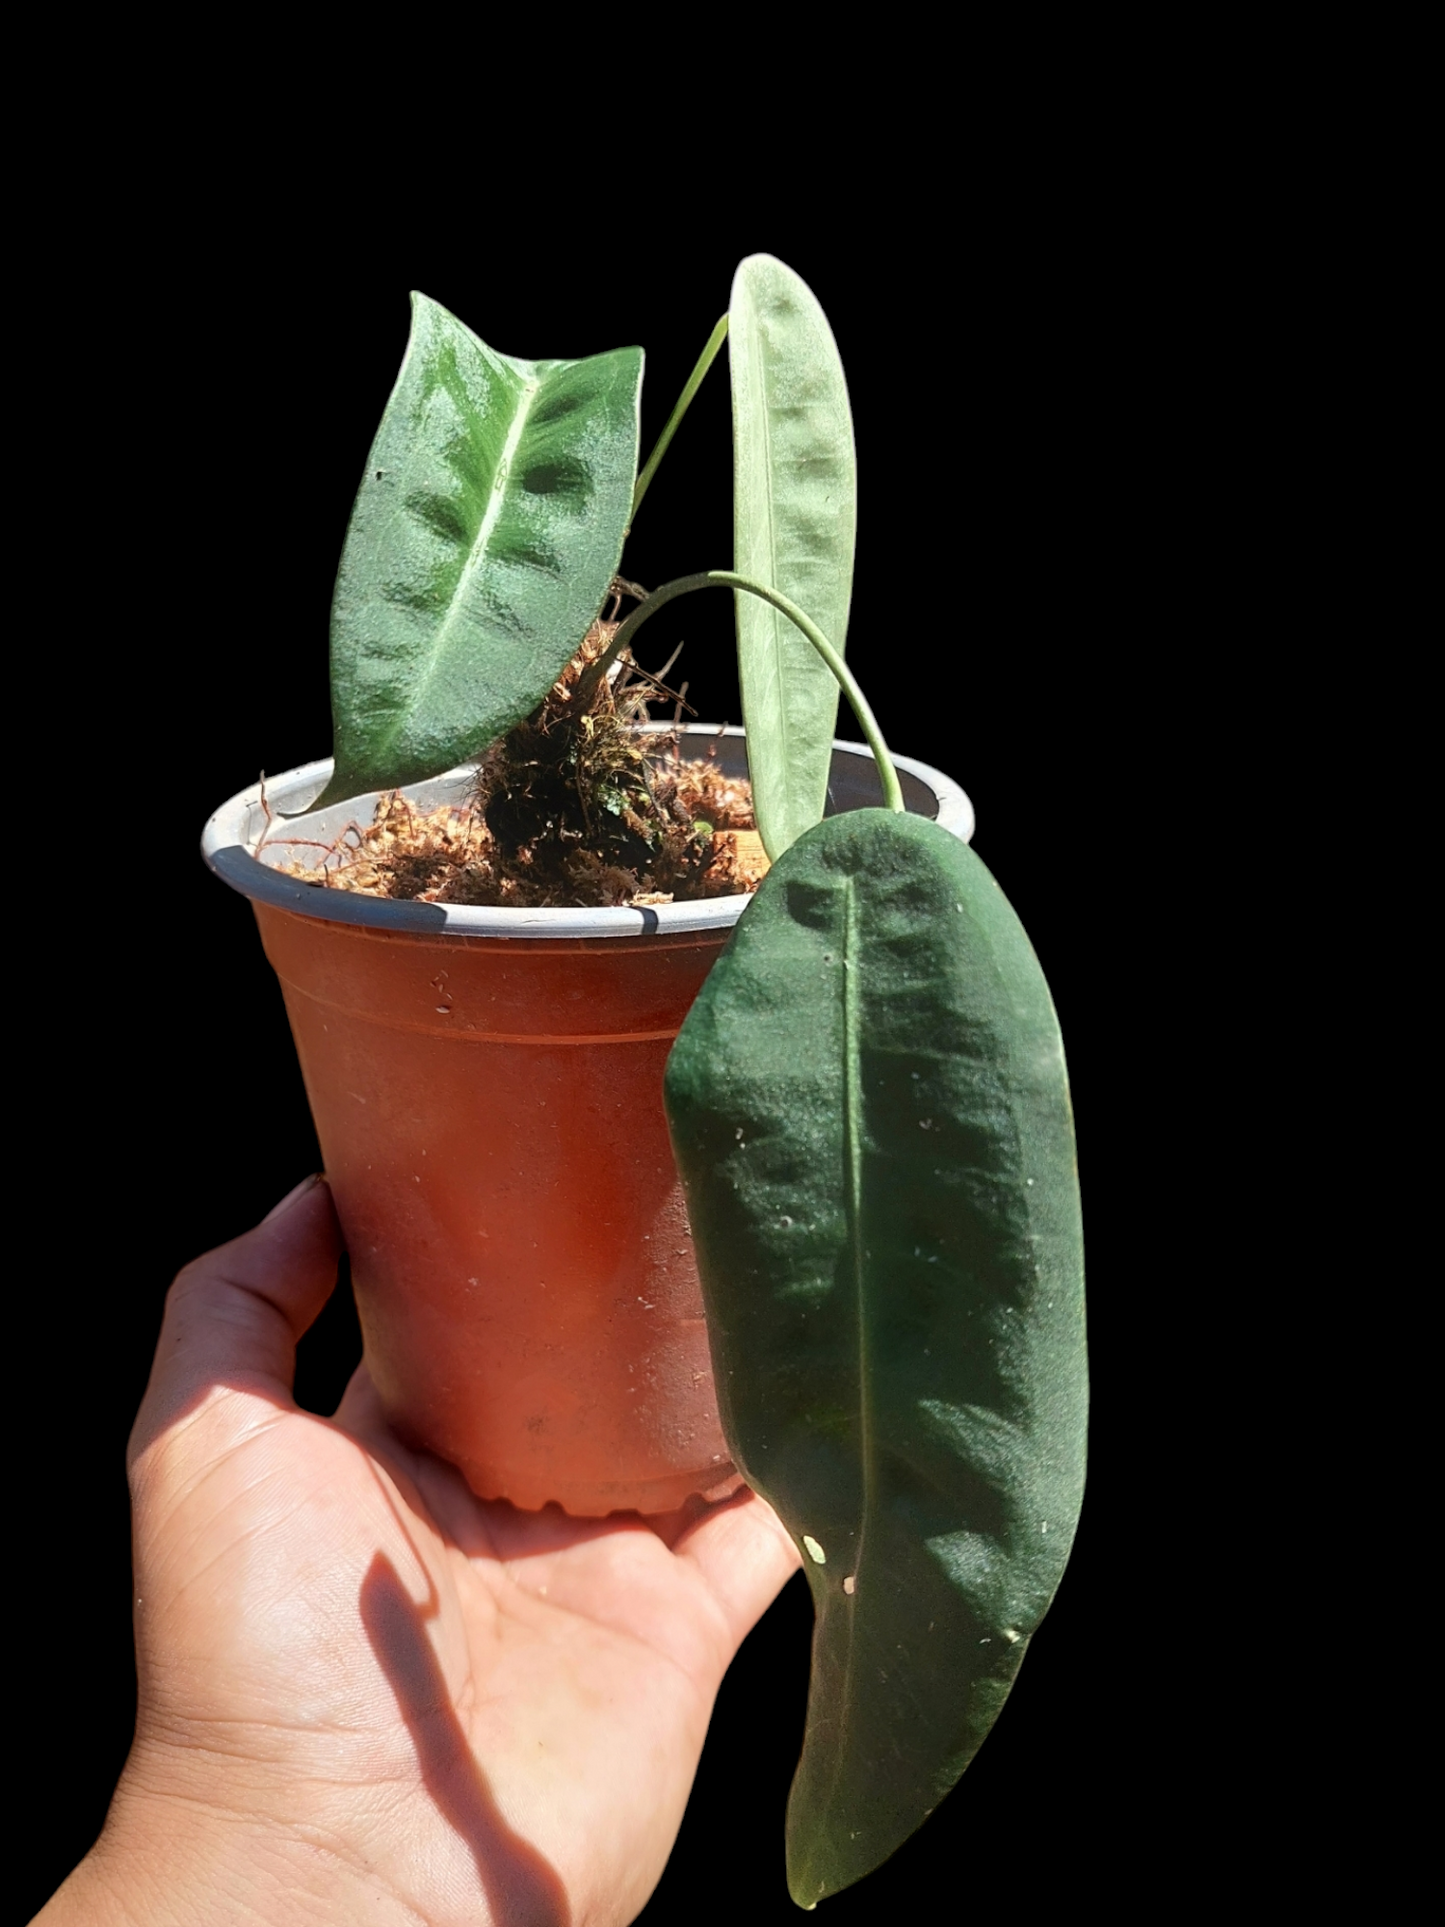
<point>866,1110</point>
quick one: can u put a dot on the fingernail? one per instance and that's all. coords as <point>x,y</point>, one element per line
<point>306,1184</point>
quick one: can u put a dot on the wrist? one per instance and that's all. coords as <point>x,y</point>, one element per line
<point>162,1862</point>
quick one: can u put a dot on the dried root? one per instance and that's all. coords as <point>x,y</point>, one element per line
<point>572,807</point>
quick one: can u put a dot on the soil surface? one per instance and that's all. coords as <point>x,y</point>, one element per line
<point>450,855</point>
<point>574,806</point>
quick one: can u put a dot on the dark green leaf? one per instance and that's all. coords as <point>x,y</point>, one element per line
<point>871,1115</point>
<point>488,526</point>
<point>795,507</point>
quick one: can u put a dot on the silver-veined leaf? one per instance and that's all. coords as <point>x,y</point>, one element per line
<point>487,528</point>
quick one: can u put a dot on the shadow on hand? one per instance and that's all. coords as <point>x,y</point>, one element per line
<point>522,1888</point>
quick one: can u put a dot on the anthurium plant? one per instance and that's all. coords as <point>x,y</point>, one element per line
<point>868,1100</point>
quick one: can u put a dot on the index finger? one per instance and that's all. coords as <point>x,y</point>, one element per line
<point>233,1316</point>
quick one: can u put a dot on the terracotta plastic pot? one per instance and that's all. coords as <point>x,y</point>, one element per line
<point>487,1091</point>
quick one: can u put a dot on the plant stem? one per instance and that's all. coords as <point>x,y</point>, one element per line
<point>726,579</point>
<point>694,382</point>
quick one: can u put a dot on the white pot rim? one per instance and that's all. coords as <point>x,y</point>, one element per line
<point>231,837</point>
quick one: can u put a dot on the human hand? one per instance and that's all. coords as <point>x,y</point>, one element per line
<point>366,1695</point>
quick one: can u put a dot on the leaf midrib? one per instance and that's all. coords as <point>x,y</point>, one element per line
<point>775,621</point>
<point>530,390</point>
<point>853,1154</point>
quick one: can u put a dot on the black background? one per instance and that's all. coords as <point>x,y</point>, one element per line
<point>1033,589</point>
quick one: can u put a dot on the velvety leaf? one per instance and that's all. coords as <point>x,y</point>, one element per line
<point>871,1116</point>
<point>487,528</point>
<point>795,507</point>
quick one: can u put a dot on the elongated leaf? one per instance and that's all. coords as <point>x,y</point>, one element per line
<point>795,508</point>
<point>871,1115</point>
<point>488,526</point>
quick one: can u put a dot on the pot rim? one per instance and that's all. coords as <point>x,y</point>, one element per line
<point>233,832</point>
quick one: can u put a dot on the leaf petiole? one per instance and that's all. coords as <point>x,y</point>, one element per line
<point>726,579</point>
<point>684,401</point>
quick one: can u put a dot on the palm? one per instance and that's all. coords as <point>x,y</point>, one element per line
<point>459,1701</point>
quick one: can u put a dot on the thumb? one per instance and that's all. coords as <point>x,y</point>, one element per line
<point>233,1317</point>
